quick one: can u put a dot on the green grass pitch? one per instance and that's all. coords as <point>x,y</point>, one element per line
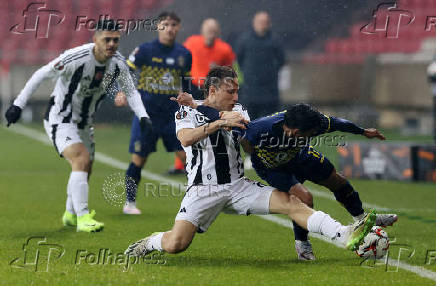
<point>236,250</point>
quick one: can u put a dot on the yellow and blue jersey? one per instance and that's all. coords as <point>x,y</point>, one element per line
<point>163,72</point>
<point>272,148</point>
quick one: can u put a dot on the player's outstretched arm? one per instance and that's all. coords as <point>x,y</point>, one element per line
<point>134,100</point>
<point>186,99</point>
<point>13,113</point>
<point>340,124</point>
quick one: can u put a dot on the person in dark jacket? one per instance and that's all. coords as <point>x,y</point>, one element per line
<point>260,57</point>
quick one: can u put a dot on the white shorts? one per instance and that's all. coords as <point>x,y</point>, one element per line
<point>202,204</point>
<point>65,134</point>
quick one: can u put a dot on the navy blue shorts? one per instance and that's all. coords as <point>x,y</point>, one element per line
<point>309,164</point>
<point>144,144</point>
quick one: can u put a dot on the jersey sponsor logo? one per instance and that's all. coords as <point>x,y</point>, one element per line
<point>181,114</point>
<point>138,146</point>
<point>99,75</point>
<point>67,139</point>
<point>167,78</point>
<point>274,158</point>
<point>169,61</point>
<point>282,157</point>
<point>181,61</point>
<point>182,210</point>
<point>59,66</point>
<point>259,184</point>
<point>200,118</point>
<point>132,56</point>
<point>156,60</point>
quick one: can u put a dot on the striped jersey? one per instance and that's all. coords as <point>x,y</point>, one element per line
<point>216,159</point>
<point>81,84</point>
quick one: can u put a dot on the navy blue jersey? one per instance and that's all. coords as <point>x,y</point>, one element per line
<point>163,72</point>
<point>273,149</point>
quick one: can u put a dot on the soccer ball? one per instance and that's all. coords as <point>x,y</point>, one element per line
<point>375,244</point>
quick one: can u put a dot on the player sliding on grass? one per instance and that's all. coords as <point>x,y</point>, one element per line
<point>216,178</point>
<point>281,155</point>
<point>84,75</point>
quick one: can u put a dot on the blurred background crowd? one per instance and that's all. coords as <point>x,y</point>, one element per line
<point>333,54</point>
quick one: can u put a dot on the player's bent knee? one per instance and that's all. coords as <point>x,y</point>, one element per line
<point>296,205</point>
<point>303,194</point>
<point>139,161</point>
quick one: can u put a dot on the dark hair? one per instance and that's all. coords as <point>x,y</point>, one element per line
<point>304,117</point>
<point>216,76</point>
<point>107,25</point>
<point>166,14</point>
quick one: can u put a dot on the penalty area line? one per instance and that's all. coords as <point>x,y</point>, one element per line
<point>107,160</point>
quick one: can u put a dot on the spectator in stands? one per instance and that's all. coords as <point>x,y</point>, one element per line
<point>207,50</point>
<point>260,58</point>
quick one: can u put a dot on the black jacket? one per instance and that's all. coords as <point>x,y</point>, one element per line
<point>260,59</point>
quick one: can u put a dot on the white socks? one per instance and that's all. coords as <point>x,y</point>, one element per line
<point>69,204</point>
<point>322,223</point>
<point>156,241</point>
<point>78,186</point>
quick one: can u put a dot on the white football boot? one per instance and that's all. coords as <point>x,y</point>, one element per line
<point>385,220</point>
<point>131,209</point>
<point>304,250</point>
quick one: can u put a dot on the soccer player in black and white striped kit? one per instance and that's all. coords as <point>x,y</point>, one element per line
<point>216,181</point>
<point>84,75</point>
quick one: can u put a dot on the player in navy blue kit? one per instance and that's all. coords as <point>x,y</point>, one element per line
<point>164,68</point>
<point>281,155</point>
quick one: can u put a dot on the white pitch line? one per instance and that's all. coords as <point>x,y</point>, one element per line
<point>105,159</point>
<point>330,196</point>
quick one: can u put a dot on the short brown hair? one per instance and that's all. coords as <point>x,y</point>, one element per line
<point>168,15</point>
<point>216,76</point>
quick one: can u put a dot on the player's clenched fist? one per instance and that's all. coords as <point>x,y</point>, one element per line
<point>373,133</point>
<point>186,99</point>
<point>233,115</point>
<point>120,99</point>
